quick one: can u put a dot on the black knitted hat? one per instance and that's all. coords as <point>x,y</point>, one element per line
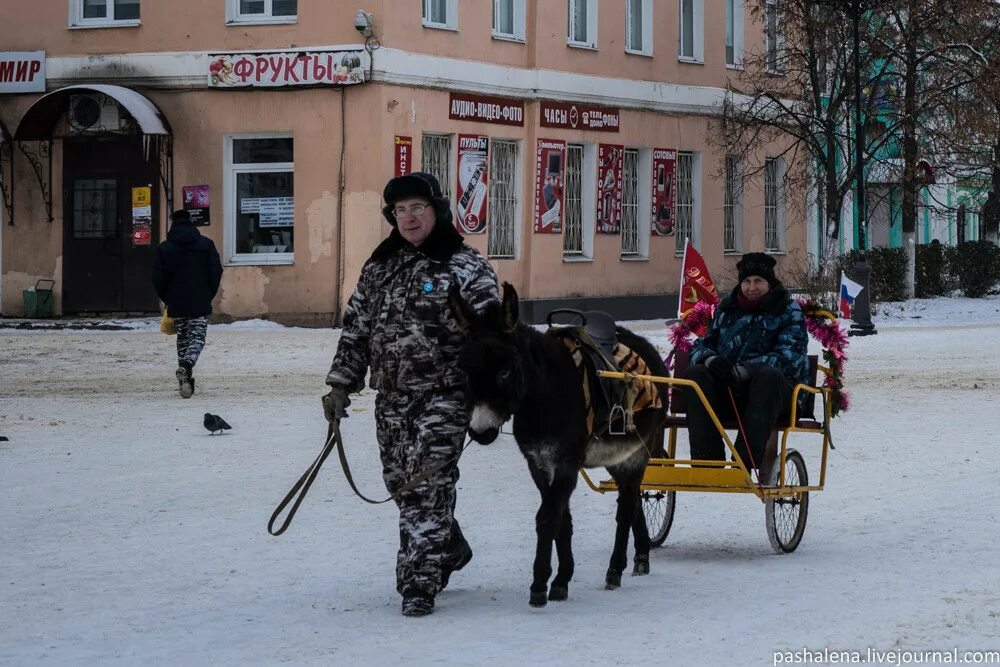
<point>418,184</point>
<point>757,264</point>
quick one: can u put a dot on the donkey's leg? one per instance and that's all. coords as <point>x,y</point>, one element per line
<point>640,540</point>
<point>548,522</point>
<point>564,550</point>
<point>628,476</point>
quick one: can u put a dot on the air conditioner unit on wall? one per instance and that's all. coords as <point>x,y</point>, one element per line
<point>93,113</point>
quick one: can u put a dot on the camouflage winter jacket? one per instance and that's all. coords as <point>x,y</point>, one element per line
<point>398,322</point>
<point>775,335</point>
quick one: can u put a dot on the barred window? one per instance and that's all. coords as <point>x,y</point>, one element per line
<point>630,203</point>
<point>732,207</point>
<point>435,159</point>
<point>502,210</point>
<point>685,200</point>
<point>573,200</point>
<point>774,205</point>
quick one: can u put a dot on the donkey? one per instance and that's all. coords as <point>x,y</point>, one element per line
<point>514,370</point>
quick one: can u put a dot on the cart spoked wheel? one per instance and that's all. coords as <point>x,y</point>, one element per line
<point>658,508</point>
<point>786,517</point>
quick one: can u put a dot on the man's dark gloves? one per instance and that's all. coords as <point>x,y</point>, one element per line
<point>335,404</point>
<point>725,372</point>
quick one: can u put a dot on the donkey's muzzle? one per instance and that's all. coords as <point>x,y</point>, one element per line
<point>486,436</point>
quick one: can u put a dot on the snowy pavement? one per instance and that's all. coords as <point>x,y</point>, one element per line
<point>131,536</point>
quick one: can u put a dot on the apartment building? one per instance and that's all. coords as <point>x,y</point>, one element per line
<point>571,136</point>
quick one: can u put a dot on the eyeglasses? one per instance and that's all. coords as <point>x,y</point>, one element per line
<point>414,210</point>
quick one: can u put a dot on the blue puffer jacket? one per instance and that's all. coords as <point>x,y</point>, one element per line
<point>775,335</point>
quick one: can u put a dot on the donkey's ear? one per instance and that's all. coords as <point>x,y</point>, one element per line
<point>460,308</point>
<point>509,308</point>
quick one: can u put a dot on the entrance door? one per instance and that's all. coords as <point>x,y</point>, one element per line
<point>102,270</point>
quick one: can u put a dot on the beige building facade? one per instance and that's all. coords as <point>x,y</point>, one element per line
<point>278,123</point>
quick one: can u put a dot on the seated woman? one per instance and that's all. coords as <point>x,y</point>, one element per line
<point>755,347</point>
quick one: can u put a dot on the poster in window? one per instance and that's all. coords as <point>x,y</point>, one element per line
<point>664,179</point>
<point>473,182</point>
<point>550,161</point>
<point>142,212</point>
<point>610,167</point>
<point>404,155</point>
<point>196,204</point>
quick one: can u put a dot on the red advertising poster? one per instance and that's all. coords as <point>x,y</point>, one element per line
<point>609,188</point>
<point>404,154</point>
<point>196,204</point>
<point>142,232</point>
<point>664,175</point>
<point>550,156</point>
<point>472,184</point>
<point>579,116</point>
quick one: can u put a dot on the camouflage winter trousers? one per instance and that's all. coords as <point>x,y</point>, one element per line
<point>191,333</point>
<point>414,434</point>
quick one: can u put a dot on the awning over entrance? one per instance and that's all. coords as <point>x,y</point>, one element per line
<point>41,124</point>
<point>40,119</point>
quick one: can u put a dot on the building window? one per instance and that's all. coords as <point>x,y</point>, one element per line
<point>734,32</point>
<point>260,196</point>
<point>692,30</point>
<point>685,200</point>
<point>508,19</point>
<point>97,13</point>
<point>441,14</point>
<point>95,208</point>
<point>773,36</point>
<point>502,210</point>
<point>261,11</point>
<point>774,205</point>
<point>573,199</point>
<point>435,159</point>
<point>583,23</point>
<point>630,203</point>
<point>732,206</point>
<point>639,27</point>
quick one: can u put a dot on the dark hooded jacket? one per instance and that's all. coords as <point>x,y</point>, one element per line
<point>774,336</point>
<point>187,271</point>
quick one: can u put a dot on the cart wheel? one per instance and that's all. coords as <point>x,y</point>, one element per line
<point>786,517</point>
<point>658,508</point>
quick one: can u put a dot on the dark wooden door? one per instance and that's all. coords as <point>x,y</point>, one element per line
<point>103,270</point>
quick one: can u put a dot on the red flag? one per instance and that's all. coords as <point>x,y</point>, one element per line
<point>696,283</point>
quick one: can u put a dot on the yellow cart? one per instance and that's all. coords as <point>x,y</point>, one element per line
<point>786,505</point>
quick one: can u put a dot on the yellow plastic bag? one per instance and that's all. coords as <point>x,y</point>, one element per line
<point>167,324</point>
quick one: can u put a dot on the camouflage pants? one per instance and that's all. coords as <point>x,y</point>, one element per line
<point>191,333</point>
<point>416,433</point>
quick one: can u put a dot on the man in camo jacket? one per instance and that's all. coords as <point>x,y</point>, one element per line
<point>398,325</point>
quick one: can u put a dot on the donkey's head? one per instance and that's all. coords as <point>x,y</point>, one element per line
<point>491,362</point>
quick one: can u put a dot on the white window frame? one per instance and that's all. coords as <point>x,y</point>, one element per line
<point>450,20</point>
<point>518,20</point>
<point>230,256</point>
<point>76,19</point>
<point>492,226</point>
<point>234,17</point>
<point>448,160</point>
<point>646,26</point>
<point>573,201</point>
<point>735,16</point>
<point>732,205</point>
<point>697,32</point>
<point>591,41</point>
<point>588,205</point>
<point>774,206</point>
<point>778,41</point>
<point>695,204</point>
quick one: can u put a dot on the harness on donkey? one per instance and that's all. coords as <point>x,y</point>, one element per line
<point>593,343</point>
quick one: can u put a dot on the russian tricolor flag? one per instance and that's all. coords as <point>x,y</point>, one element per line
<point>849,291</point>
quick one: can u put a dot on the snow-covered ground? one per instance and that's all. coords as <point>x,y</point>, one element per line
<point>129,535</point>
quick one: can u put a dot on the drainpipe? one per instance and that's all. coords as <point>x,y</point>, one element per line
<point>339,261</point>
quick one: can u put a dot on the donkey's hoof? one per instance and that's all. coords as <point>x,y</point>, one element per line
<point>538,599</point>
<point>641,566</point>
<point>612,580</point>
<point>558,593</point>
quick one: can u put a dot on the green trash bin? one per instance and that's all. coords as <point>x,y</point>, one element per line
<point>38,301</point>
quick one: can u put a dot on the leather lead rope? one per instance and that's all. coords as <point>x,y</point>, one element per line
<point>301,487</point>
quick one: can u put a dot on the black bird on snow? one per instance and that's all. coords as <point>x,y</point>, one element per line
<point>4,438</point>
<point>215,423</point>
